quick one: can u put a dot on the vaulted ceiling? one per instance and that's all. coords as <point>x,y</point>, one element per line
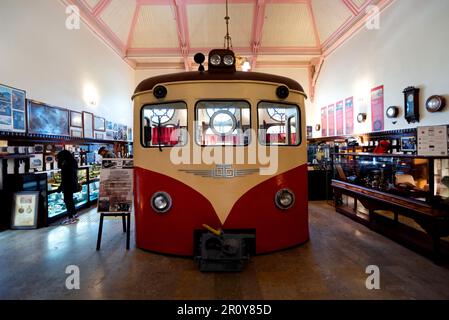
<point>167,33</point>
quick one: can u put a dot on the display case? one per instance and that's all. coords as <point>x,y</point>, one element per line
<point>417,178</point>
<point>88,177</point>
<point>404,197</point>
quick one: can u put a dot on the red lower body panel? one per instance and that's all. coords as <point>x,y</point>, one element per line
<point>172,233</point>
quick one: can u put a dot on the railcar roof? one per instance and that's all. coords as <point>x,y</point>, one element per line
<point>150,83</point>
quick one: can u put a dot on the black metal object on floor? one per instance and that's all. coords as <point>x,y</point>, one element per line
<point>126,220</point>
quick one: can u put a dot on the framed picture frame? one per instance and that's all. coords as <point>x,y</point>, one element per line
<point>25,210</point>
<point>12,109</point>
<point>408,144</point>
<point>99,135</point>
<point>76,119</point>
<point>46,119</point>
<point>76,132</point>
<point>411,104</point>
<point>88,125</point>
<point>99,124</point>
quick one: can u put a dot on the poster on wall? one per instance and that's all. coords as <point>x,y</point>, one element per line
<point>432,141</point>
<point>339,121</point>
<point>377,108</point>
<point>12,109</point>
<point>324,121</point>
<point>116,186</point>
<point>331,120</point>
<point>349,113</point>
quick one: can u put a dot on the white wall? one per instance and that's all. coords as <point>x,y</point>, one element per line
<point>411,48</point>
<point>55,65</point>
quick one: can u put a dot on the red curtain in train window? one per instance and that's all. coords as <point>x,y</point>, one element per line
<point>276,138</point>
<point>212,139</point>
<point>339,118</point>
<point>377,108</point>
<point>167,137</point>
<point>331,120</point>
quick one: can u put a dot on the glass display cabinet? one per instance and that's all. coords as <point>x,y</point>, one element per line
<point>403,196</point>
<point>88,177</point>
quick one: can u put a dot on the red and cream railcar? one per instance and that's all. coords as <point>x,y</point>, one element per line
<point>219,147</point>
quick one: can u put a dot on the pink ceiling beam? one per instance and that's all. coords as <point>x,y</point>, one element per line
<point>352,29</point>
<point>132,30</point>
<point>348,3</point>
<point>180,11</point>
<point>315,28</point>
<point>258,23</point>
<point>100,7</point>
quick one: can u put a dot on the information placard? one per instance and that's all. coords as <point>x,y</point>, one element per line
<point>116,186</point>
<point>432,141</point>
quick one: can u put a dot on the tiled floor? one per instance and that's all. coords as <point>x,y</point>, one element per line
<point>331,266</point>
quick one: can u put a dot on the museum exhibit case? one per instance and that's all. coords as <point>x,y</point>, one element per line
<point>407,193</point>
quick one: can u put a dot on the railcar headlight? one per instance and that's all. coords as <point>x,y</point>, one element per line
<point>161,202</point>
<point>285,199</point>
<point>215,60</point>
<point>228,60</point>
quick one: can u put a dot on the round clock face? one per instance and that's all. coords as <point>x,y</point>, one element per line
<point>361,117</point>
<point>410,98</point>
<point>435,103</point>
<point>392,112</point>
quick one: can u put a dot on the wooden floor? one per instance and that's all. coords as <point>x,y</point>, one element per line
<point>331,266</point>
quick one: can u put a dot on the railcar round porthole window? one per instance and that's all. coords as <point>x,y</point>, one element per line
<point>277,114</point>
<point>223,122</point>
<point>162,115</point>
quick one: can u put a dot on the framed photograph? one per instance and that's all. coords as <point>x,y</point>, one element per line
<point>408,144</point>
<point>99,124</point>
<point>45,119</point>
<point>109,125</point>
<point>25,210</point>
<point>99,135</point>
<point>76,119</point>
<point>18,98</point>
<point>76,132</point>
<point>88,125</point>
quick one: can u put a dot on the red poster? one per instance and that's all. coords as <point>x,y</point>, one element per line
<point>377,108</point>
<point>324,122</point>
<point>349,110</point>
<point>331,120</point>
<point>339,118</point>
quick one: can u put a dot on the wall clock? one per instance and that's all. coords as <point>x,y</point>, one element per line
<point>361,117</point>
<point>392,112</point>
<point>411,103</point>
<point>435,103</point>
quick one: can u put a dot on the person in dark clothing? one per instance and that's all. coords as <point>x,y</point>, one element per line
<point>69,183</point>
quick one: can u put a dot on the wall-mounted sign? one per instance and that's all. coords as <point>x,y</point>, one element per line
<point>432,141</point>
<point>324,121</point>
<point>349,111</point>
<point>377,108</point>
<point>339,121</point>
<point>331,119</point>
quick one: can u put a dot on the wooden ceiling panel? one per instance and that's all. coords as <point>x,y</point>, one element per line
<point>155,28</point>
<point>288,25</point>
<point>330,15</point>
<point>118,16</point>
<point>207,26</point>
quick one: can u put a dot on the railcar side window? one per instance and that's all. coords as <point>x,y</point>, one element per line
<point>279,124</point>
<point>164,125</point>
<point>220,123</point>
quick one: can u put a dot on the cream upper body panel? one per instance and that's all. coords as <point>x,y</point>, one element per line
<point>221,192</point>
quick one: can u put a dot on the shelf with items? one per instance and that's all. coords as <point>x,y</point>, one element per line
<point>390,192</point>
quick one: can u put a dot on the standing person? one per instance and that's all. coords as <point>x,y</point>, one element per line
<point>69,183</point>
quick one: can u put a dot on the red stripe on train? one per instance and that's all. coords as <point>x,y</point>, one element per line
<point>172,233</point>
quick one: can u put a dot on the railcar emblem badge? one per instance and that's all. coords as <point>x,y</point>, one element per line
<point>222,172</point>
